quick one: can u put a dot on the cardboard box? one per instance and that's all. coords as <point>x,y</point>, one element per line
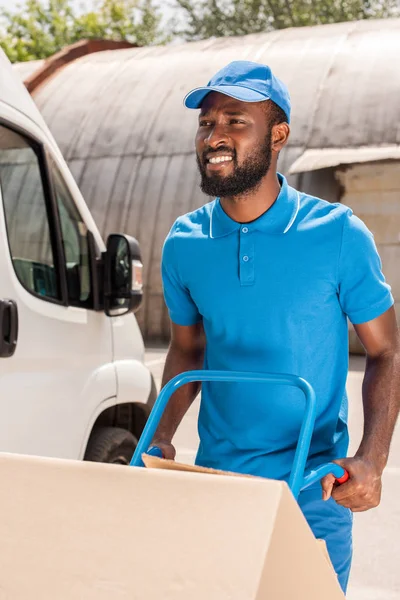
<point>74,530</point>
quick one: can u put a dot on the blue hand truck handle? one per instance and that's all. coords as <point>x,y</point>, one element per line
<point>298,480</point>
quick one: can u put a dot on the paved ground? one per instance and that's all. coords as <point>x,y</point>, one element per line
<point>376,566</point>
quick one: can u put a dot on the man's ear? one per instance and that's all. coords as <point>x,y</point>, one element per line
<point>280,136</point>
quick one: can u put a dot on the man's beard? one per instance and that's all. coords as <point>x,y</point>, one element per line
<point>244,179</point>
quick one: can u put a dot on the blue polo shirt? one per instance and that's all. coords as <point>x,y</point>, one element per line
<point>274,296</point>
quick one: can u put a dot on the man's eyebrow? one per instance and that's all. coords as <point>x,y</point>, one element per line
<point>236,113</point>
<point>231,113</point>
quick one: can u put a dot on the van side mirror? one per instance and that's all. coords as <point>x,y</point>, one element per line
<point>123,287</point>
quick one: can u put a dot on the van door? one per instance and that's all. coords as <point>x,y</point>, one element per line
<point>61,370</point>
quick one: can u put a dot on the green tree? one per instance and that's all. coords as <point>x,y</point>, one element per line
<point>131,20</point>
<point>216,18</point>
<point>39,28</point>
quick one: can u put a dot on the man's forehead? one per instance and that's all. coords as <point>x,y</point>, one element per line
<point>215,101</point>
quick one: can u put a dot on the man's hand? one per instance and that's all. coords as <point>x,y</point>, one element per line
<point>363,489</point>
<point>167,449</point>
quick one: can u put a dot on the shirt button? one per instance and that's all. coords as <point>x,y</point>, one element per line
<point>245,230</point>
<point>245,258</point>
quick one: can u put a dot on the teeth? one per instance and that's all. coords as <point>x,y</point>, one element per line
<point>218,159</point>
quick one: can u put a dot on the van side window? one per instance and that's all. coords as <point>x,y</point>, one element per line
<point>26,216</point>
<point>75,241</point>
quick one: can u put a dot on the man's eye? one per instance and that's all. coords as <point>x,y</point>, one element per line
<point>205,124</point>
<point>237,121</point>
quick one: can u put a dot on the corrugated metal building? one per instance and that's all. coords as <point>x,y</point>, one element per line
<point>119,120</point>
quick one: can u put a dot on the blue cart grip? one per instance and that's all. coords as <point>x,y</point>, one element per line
<point>340,474</point>
<point>155,451</point>
<point>152,451</point>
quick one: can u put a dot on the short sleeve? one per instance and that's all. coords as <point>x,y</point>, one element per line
<point>182,309</point>
<point>363,291</point>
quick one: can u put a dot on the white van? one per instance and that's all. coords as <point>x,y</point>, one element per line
<point>73,383</point>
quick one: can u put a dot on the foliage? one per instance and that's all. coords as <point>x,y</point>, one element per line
<point>39,28</point>
<point>216,18</point>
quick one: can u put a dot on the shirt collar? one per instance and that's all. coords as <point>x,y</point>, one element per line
<point>278,219</point>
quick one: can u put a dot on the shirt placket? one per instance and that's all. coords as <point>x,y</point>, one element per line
<point>246,256</point>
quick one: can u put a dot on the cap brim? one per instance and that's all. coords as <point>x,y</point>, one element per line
<point>194,98</point>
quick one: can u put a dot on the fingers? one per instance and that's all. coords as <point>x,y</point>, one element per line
<point>347,490</point>
<point>169,452</point>
<point>327,484</point>
<point>167,449</point>
<point>357,496</point>
<point>363,490</point>
<point>357,504</point>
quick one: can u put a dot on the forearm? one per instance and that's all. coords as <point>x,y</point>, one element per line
<point>178,360</point>
<point>381,400</point>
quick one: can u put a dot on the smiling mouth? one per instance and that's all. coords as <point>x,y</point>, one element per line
<point>218,164</point>
<point>216,160</point>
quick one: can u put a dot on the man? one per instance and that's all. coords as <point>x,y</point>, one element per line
<point>263,279</point>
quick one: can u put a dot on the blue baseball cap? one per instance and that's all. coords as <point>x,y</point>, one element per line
<point>244,80</point>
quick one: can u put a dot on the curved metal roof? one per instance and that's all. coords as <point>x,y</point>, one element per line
<point>26,69</point>
<point>120,122</point>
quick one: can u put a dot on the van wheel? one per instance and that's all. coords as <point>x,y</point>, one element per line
<point>111,445</point>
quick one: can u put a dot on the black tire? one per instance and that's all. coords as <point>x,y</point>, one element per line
<point>111,445</point>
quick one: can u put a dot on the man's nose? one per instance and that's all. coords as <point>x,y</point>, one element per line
<point>216,136</point>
